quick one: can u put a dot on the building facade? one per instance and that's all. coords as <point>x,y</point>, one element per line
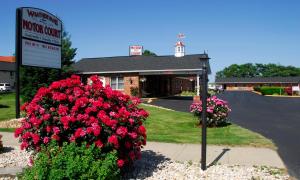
<point>7,70</point>
<point>147,75</point>
<point>248,84</point>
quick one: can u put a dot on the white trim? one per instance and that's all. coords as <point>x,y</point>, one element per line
<point>163,70</point>
<point>250,82</point>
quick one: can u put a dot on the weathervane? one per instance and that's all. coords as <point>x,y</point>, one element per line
<point>180,36</point>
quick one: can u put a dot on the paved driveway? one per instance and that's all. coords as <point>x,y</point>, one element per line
<point>275,118</point>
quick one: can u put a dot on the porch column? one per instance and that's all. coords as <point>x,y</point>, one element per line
<point>198,85</point>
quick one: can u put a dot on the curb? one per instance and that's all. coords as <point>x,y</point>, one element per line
<point>10,171</point>
<point>159,107</point>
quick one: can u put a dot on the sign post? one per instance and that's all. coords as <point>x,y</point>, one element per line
<point>203,116</point>
<point>38,42</point>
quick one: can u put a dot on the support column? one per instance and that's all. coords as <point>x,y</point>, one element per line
<point>198,85</point>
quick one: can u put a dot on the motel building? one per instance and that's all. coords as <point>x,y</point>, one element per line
<point>147,76</point>
<point>248,84</point>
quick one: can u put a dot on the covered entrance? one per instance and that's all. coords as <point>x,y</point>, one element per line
<point>166,85</point>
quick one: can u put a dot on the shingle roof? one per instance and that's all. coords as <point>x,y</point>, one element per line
<point>7,66</point>
<point>292,79</point>
<point>123,64</point>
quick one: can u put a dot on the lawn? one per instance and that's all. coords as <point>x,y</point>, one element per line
<point>171,126</point>
<point>180,127</point>
<point>7,106</point>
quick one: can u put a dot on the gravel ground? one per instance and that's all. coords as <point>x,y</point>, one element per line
<point>13,157</point>
<point>13,123</point>
<point>156,167</point>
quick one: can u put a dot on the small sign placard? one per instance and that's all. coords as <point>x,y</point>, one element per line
<point>135,50</point>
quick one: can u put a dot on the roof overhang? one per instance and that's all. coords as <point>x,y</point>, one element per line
<point>151,72</point>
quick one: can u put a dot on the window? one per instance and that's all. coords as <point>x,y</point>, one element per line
<point>117,82</point>
<point>178,49</point>
<point>11,74</point>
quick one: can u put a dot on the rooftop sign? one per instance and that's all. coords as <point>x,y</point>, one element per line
<point>135,50</point>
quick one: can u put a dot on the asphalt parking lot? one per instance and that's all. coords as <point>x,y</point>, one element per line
<point>276,118</point>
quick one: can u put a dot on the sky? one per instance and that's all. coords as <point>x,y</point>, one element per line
<point>231,31</point>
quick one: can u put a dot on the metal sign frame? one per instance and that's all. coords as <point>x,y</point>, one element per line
<point>18,49</point>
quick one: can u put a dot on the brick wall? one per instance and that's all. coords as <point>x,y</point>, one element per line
<point>130,81</point>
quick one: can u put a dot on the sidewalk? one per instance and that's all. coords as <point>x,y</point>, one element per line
<point>9,139</point>
<point>247,156</point>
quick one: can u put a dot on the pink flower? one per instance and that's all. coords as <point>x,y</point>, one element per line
<point>62,110</point>
<point>99,144</point>
<point>56,130</point>
<point>18,131</point>
<point>46,140</point>
<point>133,135</point>
<point>35,138</point>
<point>131,121</point>
<point>120,163</point>
<point>142,130</point>
<point>30,161</point>
<point>122,131</point>
<point>24,145</point>
<point>46,117</point>
<point>114,140</point>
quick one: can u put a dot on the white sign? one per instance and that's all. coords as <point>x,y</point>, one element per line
<point>295,88</point>
<point>40,54</point>
<point>41,38</point>
<point>136,50</point>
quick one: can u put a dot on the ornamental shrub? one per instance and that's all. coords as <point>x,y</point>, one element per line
<point>70,111</point>
<point>266,90</point>
<point>217,111</point>
<point>72,162</point>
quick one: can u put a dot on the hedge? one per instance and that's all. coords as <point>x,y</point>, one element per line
<point>269,90</point>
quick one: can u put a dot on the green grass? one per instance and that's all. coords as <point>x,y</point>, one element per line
<point>170,126</point>
<point>180,127</point>
<point>7,106</point>
<point>7,129</point>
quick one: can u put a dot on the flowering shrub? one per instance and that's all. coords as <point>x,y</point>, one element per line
<point>69,111</point>
<point>217,111</point>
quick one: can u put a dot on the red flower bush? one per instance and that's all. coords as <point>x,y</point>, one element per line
<point>217,111</point>
<point>69,111</point>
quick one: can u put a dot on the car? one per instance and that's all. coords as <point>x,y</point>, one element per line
<point>5,87</point>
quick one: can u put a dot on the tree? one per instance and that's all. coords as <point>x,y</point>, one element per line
<point>148,53</point>
<point>32,78</point>
<point>258,70</point>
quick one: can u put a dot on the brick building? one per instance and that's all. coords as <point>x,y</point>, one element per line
<point>150,75</point>
<point>7,70</point>
<point>250,83</point>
